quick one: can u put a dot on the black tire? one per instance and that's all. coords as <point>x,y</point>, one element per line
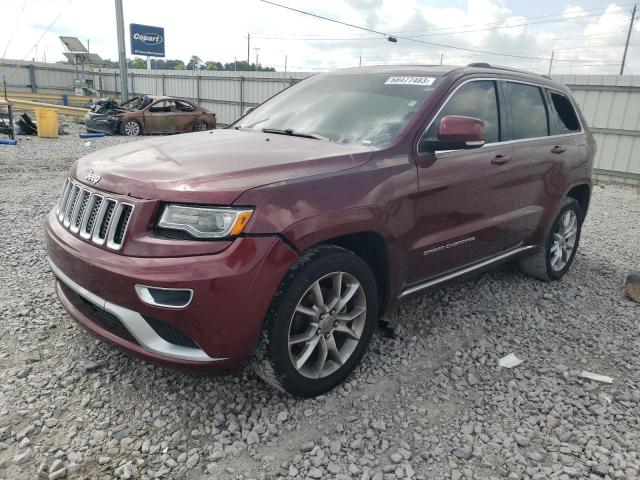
<point>272,358</point>
<point>200,126</point>
<point>130,132</point>
<point>539,265</point>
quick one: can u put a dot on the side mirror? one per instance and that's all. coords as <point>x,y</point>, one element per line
<point>457,133</point>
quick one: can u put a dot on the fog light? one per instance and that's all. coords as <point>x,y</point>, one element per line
<point>165,297</point>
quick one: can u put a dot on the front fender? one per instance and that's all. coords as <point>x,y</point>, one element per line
<point>313,230</point>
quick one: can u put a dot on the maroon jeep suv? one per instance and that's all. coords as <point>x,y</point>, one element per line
<point>283,240</point>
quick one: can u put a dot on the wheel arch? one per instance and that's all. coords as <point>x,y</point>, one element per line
<point>581,193</point>
<point>363,231</point>
<point>371,247</point>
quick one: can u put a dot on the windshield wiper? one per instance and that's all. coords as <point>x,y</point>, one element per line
<point>289,131</point>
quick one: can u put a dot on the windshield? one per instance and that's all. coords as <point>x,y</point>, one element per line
<point>366,109</point>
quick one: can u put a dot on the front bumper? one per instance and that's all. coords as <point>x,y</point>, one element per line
<point>97,122</point>
<point>232,291</point>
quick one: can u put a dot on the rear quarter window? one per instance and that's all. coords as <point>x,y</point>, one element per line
<point>562,114</point>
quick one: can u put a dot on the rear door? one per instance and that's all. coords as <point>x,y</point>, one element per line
<point>538,155</point>
<point>464,210</point>
<point>159,117</point>
<point>569,146</point>
<point>185,115</point>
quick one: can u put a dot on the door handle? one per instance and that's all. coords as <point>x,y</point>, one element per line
<point>558,149</point>
<point>500,159</point>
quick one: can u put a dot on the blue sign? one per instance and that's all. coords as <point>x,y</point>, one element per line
<point>147,40</point>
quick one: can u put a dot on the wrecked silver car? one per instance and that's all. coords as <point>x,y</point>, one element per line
<point>148,114</point>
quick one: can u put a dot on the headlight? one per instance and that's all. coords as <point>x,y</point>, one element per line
<point>205,222</point>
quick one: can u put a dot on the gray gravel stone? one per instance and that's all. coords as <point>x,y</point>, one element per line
<point>430,391</point>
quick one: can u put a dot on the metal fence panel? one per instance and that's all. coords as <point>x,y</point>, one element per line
<point>611,105</point>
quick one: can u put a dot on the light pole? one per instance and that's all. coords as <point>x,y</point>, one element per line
<point>122,55</point>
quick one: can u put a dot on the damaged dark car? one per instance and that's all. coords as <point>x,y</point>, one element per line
<point>146,114</point>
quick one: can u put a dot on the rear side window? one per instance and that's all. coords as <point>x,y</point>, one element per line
<point>183,106</point>
<point>528,111</point>
<point>563,116</point>
<point>476,99</point>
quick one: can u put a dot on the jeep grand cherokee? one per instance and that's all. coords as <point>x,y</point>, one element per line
<point>283,239</point>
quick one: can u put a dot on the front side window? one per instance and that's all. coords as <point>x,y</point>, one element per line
<point>477,99</point>
<point>163,106</point>
<point>367,109</point>
<point>528,111</point>
<point>563,116</point>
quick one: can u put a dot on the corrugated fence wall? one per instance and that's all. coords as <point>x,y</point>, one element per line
<point>611,103</point>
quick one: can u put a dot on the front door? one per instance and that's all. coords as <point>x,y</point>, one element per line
<point>159,117</point>
<point>465,208</point>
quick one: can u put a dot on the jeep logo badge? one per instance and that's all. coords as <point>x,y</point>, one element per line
<point>92,177</point>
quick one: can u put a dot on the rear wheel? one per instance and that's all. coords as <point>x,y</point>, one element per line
<point>131,128</point>
<point>319,324</point>
<point>552,260</point>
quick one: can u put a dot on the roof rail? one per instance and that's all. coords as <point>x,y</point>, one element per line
<point>508,69</point>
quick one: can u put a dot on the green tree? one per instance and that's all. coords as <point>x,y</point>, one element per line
<point>180,66</point>
<point>194,62</point>
<point>138,63</point>
<point>214,66</point>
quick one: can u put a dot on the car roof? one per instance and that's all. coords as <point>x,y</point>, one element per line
<point>437,70</point>
<point>456,71</point>
<point>164,97</point>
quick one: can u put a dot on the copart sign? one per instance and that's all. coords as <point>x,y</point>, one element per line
<point>147,40</point>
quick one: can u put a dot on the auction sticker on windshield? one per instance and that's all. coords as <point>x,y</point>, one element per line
<point>421,81</point>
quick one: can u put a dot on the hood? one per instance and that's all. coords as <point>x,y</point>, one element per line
<point>214,166</point>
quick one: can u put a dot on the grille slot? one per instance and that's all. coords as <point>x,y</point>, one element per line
<point>170,333</point>
<point>92,213</point>
<point>78,212</point>
<point>120,225</point>
<point>94,217</point>
<point>104,220</point>
<point>71,204</point>
<point>63,199</point>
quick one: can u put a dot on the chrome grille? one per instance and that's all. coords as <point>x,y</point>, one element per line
<point>96,218</point>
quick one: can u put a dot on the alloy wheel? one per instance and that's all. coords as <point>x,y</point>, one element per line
<point>327,325</point>
<point>199,126</point>
<point>131,128</point>
<point>564,240</point>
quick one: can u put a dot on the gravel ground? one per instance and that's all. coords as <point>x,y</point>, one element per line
<point>430,403</point>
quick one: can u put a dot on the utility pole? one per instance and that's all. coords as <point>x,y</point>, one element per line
<point>551,62</point>
<point>122,54</point>
<point>257,50</point>
<point>626,45</point>
<point>248,48</point>
<point>360,62</point>
<point>285,64</point>
<point>441,57</point>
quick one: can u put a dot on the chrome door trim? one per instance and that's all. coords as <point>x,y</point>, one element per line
<point>464,271</point>
<point>505,142</point>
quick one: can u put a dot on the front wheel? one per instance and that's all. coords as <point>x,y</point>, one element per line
<point>552,260</point>
<point>199,126</point>
<point>319,324</point>
<point>131,128</point>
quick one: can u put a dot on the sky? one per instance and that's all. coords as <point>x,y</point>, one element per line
<point>586,36</point>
